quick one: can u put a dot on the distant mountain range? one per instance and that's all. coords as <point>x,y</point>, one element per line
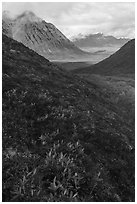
<point>98,40</point>
<point>120,63</point>
<point>42,37</point>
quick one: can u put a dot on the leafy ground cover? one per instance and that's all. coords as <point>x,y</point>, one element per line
<point>62,140</point>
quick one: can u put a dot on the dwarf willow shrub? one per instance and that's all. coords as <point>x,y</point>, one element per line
<point>57,176</point>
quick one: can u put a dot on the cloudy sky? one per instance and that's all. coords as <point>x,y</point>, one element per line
<point>73,18</point>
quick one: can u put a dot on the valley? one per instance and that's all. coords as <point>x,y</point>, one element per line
<point>68,114</point>
<point>96,55</point>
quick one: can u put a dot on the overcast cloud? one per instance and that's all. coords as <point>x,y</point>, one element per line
<point>72,18</point>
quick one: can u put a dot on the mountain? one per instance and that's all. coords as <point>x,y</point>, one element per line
<point>62,139</point>
<point>98,40</point>
<point>44,38</point>
<point>121,62</point>
<point>7,24</point>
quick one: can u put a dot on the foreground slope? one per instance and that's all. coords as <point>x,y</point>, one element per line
<point>44,38</point>
<point>62,141</point>
<point>119,64</point>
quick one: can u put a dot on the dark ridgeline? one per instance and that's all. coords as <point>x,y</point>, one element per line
<point>44,38</point>
<point>62,140</point>
<point>121,63</point>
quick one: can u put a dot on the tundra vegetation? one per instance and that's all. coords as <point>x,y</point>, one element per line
<point>62,139</point>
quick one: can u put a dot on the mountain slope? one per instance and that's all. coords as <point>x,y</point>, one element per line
<point>7,24</point>
<point>62,141</point>
<point>42,37</point>
<point>120,63</point>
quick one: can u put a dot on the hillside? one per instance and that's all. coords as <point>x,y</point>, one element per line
<point>62,140</point>
<point>120,63</point>
<point>42,37</point>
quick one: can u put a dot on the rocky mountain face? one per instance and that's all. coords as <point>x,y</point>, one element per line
<point>7,23</point>
<point>98,40</point>
<point>120,63</point>
<point>44,38</point>
<point>62,139</point>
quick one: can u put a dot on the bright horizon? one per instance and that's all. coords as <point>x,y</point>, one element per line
<point>117,19</point>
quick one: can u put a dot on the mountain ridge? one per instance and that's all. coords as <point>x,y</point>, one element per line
<point>121,62</point>
<point>42,37</point>
<point>98,40</point>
